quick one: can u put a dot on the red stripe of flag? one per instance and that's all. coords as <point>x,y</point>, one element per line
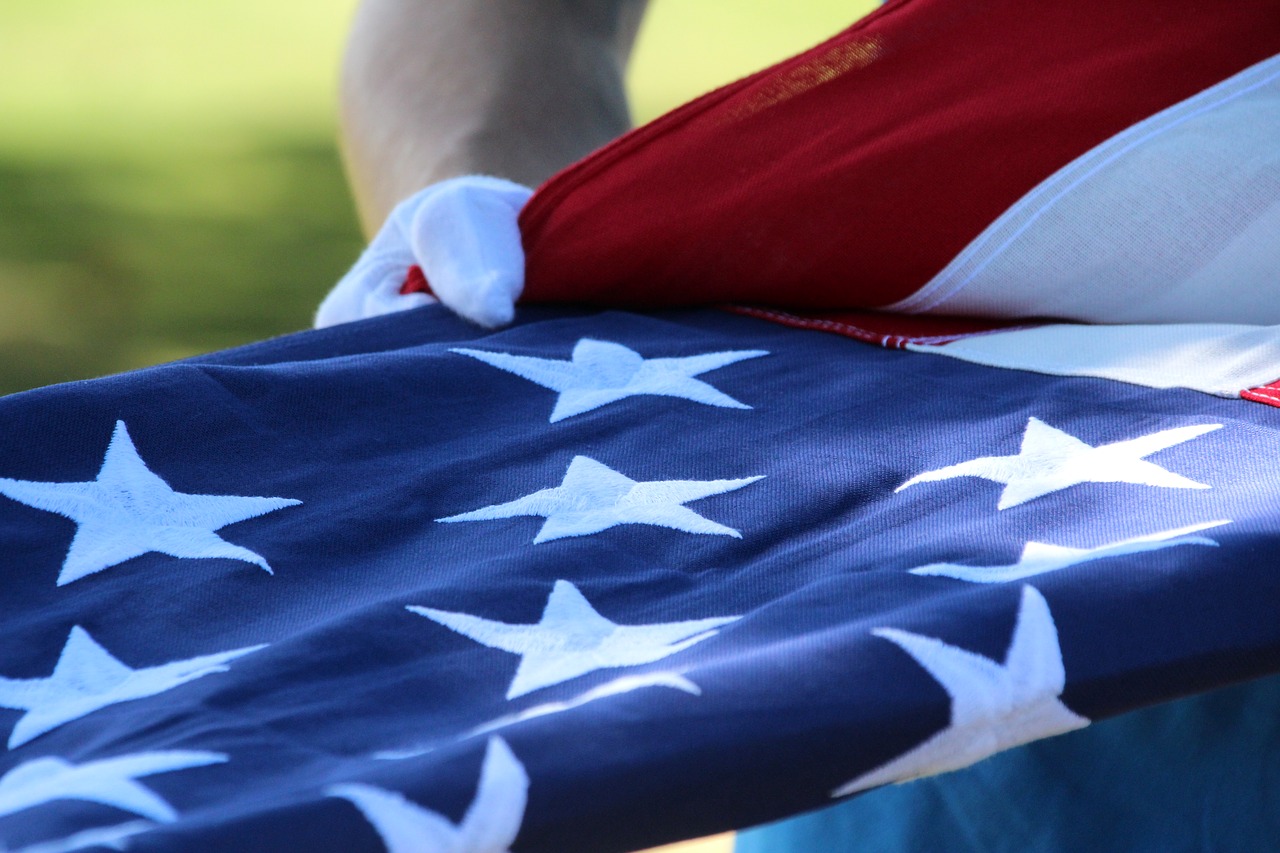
<point>1268,394</point>
<point>848,176</point>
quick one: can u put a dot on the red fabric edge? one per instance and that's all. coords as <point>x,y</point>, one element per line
<point>415,281</point>
<point>893,331</point>
<point>1268,395</point>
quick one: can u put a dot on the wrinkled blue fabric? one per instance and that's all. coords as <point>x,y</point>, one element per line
<point>1201,774</point>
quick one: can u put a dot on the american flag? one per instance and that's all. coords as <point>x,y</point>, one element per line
<point>602,579</point>
<point>593,582</point>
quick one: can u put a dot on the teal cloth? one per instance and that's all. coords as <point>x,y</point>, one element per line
<point>1201,774</point>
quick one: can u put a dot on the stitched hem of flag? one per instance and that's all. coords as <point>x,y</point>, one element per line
<point>921,333</point>
<point>1268,395</point>
<point>893,331</point>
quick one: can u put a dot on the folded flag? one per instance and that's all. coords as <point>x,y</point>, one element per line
<point>593,582</point>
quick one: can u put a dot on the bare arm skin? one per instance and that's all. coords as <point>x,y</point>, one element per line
<point>432,89</point>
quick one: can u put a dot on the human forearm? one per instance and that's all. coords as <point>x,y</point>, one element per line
<point>514,88</point>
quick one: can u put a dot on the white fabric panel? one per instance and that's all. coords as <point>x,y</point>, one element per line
<point>1175,220</point>
<point>1217,359</point>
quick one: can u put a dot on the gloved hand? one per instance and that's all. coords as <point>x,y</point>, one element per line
<point>462,233</point>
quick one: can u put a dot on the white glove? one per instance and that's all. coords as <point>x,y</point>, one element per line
<point>464,235</point>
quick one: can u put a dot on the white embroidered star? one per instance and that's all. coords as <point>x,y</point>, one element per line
<point>594,497</point>
<point>88,678</point>
<point>572,639</point>
<point>993,706</point>
<point>602,372</point>
<point>129,511</point>
<point>1051,460</point>
<point>112,837</point>
<point>1039,557</point>
<point>111,782</point>
<point>490,825</point>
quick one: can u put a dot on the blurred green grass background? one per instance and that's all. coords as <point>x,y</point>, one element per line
<point>169,181</point>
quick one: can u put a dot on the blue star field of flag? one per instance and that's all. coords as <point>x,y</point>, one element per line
<point>593,582</point>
